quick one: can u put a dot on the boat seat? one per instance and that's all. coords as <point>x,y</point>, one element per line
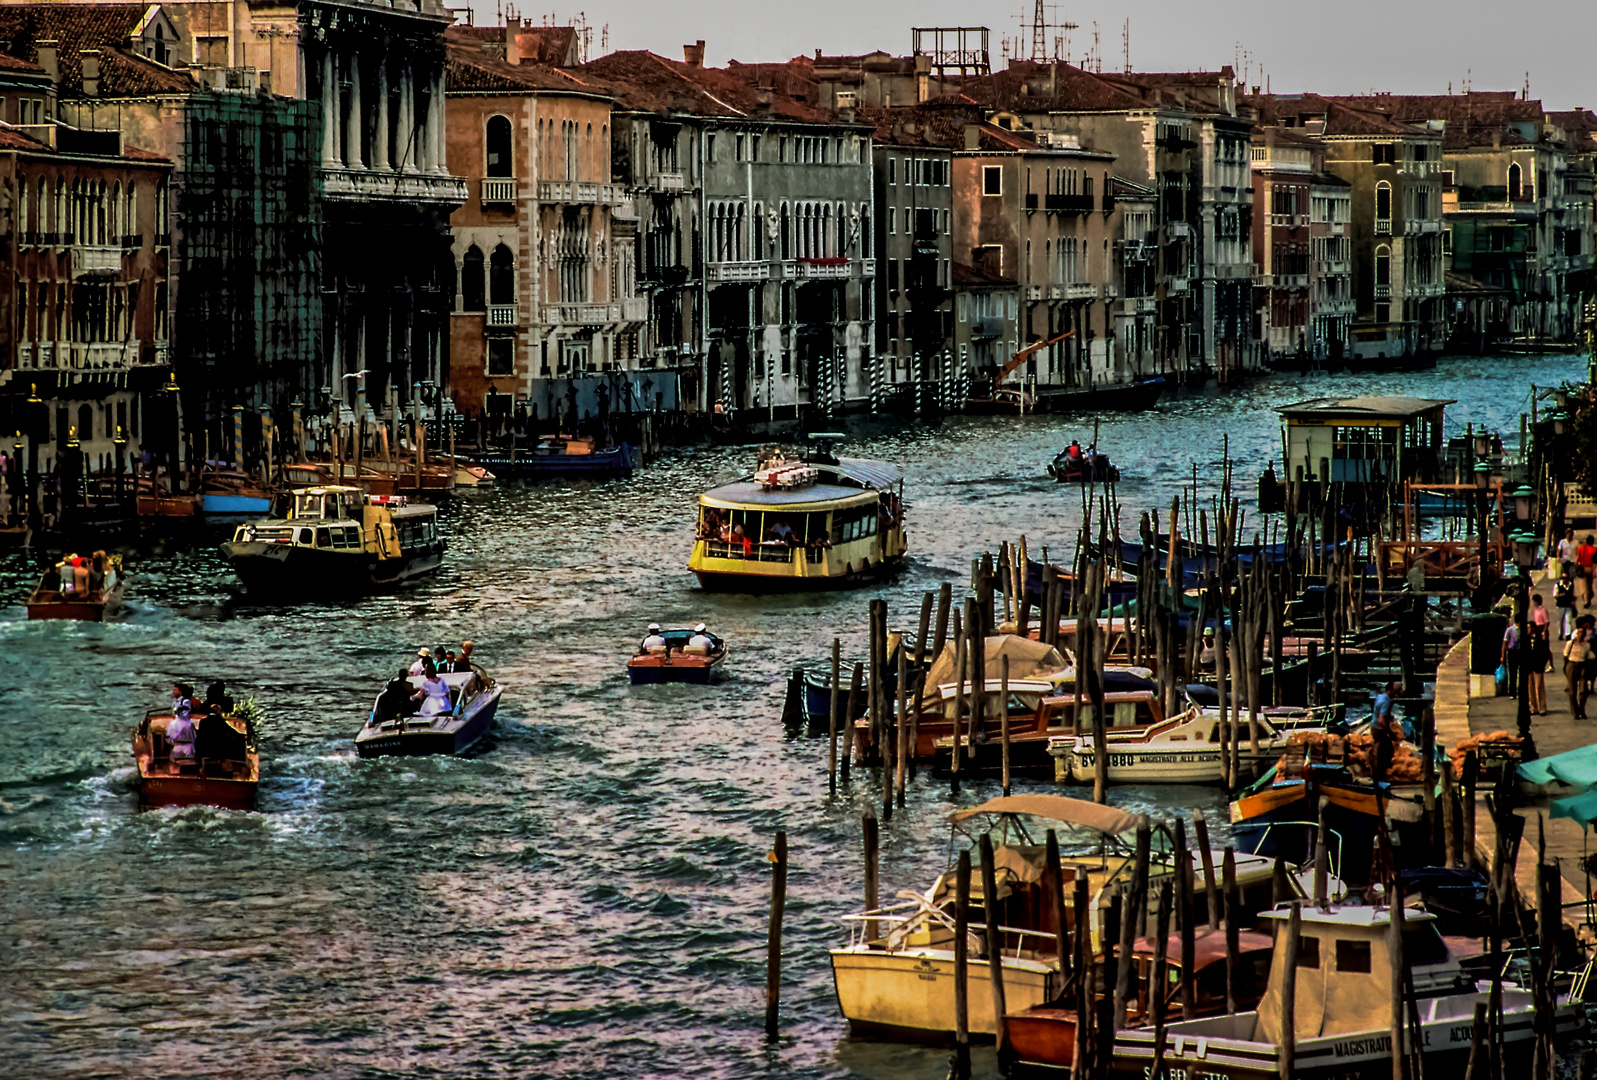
<point>695,650</point>
<point>657,650</point>
<point>186,767</point>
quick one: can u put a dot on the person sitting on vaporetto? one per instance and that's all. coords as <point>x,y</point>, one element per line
<point>433,695</point>
<point>654,642</point>
<point>423,661</point>
<point>700,643</point>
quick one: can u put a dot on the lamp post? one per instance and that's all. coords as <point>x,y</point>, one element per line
<point>1483,480</point>
<point>120,441</point>
<point>1525,545</point>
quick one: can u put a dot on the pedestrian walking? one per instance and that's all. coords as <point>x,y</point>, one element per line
<point>1509,661</point>
<point>1538,655</point>
<point>1564,598</point>
<point>1584,556</point>
<point>1577,654</point>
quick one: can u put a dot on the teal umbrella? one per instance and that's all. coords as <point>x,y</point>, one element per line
<point>1575,767</point>
<point>1581,808</point>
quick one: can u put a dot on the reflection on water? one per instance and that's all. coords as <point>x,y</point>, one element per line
<point>586,894</point>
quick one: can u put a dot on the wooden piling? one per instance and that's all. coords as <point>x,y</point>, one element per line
<point>1131,916</point>
<point>1450,835</point>
<point>1280,891</point>
<point>1322,857</point>
<point>1056,888</point>
<point>851,730</point>
<point>1233,948</point>
<point>1159,983</point>
<point>1003,716</point>
<point>976,650</point>
<point>870,837</point>
<point>878,610</point>
<point>1085,976</point>
<point>959,704</point>
<point>773,938</point>
<point>1394,894</point>
<point>1211,890</point>
<point>901,723</point>
<point>995,940</point>
<point>1286,1049</point>
<point>1477,1035</point>
<point>1189,935</point>
<point>945,599</point>
<point>962,967</point>
<point>1472,771</point>
<point>831,718</point>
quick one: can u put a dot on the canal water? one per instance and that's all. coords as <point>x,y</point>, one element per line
<point>585,896</point>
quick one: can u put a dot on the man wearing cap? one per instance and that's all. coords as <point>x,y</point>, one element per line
<point>700,642</point>
<point>1206,654</point>
<point>654,643</point>
<point>423,655</point>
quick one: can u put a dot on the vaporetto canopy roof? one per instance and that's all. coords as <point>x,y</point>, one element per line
<point>1062,808</point>
<point>849,478</point>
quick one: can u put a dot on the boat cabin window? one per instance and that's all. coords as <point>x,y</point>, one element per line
<point>1353,956</point>
<point>324,538</point>
<point>305,537</point>
<point>1309,952</point>
<point>853,523</point>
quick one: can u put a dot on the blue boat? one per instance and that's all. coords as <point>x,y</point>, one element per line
<point>230,495</point>
<point>560,455</point>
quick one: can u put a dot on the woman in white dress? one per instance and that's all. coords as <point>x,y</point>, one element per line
<point>433,695</point>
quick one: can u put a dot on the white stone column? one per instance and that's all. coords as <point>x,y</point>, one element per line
<point>331,151</point>
<point>405,137</point>
<point>352,156</point>
<point>380,154</point>
<point>436,125</point>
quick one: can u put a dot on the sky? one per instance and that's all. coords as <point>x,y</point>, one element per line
<point>1353,46</point>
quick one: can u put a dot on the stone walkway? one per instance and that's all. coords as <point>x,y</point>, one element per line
<point>1458,715</point>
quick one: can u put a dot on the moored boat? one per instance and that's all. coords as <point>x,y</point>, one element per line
<point>1083,467</point>
<point>392,730</point>
<point>225,770</point>
<point>1184,749</point>
<point>678,655</point>
<point>229,495</point>
<point>336,542</point>
<point>1343,1024</point>
<point>52,600</point>
<point>560,455</point>
<point>811,523</point>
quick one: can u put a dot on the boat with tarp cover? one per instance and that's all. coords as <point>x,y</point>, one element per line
<point>810,522</point>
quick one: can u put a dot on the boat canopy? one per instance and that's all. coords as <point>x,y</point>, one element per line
<point>1089,815</point>
<point>1027,658</point>
<point>867,473</point>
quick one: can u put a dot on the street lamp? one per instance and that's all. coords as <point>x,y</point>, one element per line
<point>1561,395</point>
<point>1560,420</point>
<point>1525,545</point>
<point>1483,444</point>
<point>120,441</point>
<point>1524,505</point>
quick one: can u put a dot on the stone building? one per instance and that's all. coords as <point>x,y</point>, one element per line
<point>546,312</point>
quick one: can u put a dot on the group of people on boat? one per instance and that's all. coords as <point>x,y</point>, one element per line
<point>85,577</point>
<point>201,730</point>
<point>401,697</point>
<point>700,644</point>
<point>778,533</point>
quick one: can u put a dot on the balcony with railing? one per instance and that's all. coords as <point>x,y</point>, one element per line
<point>665,274</point>
<point>580,192</point>
<point>497,191</point>
<point>1137,305</point>
<point>79,355</point>
<point>823,269</point>
<point>1178,230</point>
<point>635,309</point>
<point>1178,284</point>
<point>1068,204</point>
<point>1081,290</point>
<point>97,260</point>
<point>1383,226</point>
<point>986,328</point>
<point>668,181</point>
<point>1110,292</point>
<point>1383,292</point>
<point>734,272</point>
<point>501,315</point>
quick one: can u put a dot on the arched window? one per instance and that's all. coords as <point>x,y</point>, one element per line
<point>501,277</point>
<point>785,226</point>
<point>472,293</point>
<point>1516,183</point>
<point>1383,200</point>
<point>498,139</point>
<point>1383,266</point>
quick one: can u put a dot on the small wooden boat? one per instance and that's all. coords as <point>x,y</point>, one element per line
<point>474,698</point>
<point>336,542</point>
<point>1088,467</point>
<point>226,769</point>
<point>153,501</point>
<point>678,661</point>
<point>1184,749</point>
<point>1343,1025</point>
<point>50,601</point>
<point>1043,1037</point>
<point>473,476</point>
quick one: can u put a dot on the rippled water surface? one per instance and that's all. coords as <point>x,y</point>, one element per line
<point>585,895</point>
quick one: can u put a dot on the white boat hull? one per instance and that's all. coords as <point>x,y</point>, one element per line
<point>912,992</point>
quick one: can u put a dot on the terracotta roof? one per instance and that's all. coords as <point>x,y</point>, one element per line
<point>470,68</point>
<point>12,139</point>
<point>1339,118</point>
<point>12,63</point>
<point>647,82</point>
<point>1028,87</point>
<point>103,26</point>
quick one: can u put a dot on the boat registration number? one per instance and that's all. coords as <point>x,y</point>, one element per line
<point>1127,761</point>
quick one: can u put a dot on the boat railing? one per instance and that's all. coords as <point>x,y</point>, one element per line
<point>775,553</point>
<point>868,925</point>
<point>1334,859</point>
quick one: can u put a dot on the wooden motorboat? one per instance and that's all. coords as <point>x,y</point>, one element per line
<point>50,601</point>
<point>226,770</point>
<point>153,501</point>
<point>336,542</point>
<point>473,476</point>
<point>1087,467</point>
<point>474,698</point>
<point>1343,1023</point>
<point>1031,735</point>
<point>1043,1037</point>
<point>678,660</point>
<point>1184,749</point>
<point>227,494</point>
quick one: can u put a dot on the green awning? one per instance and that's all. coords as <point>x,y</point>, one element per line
<point>1582,808</point>
<point>1577,768</point>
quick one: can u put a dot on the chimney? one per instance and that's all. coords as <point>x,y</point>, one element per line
<point>693,55</point>
<point>90,61</point>
<point>762,101</point>
<point>512,44</point>
<point>972,136</point>
<point>47,60</point>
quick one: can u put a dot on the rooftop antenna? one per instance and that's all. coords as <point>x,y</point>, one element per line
<point>1040,37</point>
<point>1097,52</point>
<point>1525,96</point>
<point>1125,47</point>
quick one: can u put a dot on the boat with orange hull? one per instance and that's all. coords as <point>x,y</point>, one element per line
<point>678,660</point>
<point>48,601</point>
<point>225,771</point>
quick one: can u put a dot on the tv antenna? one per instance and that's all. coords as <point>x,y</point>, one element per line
<point>1040,29</point>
